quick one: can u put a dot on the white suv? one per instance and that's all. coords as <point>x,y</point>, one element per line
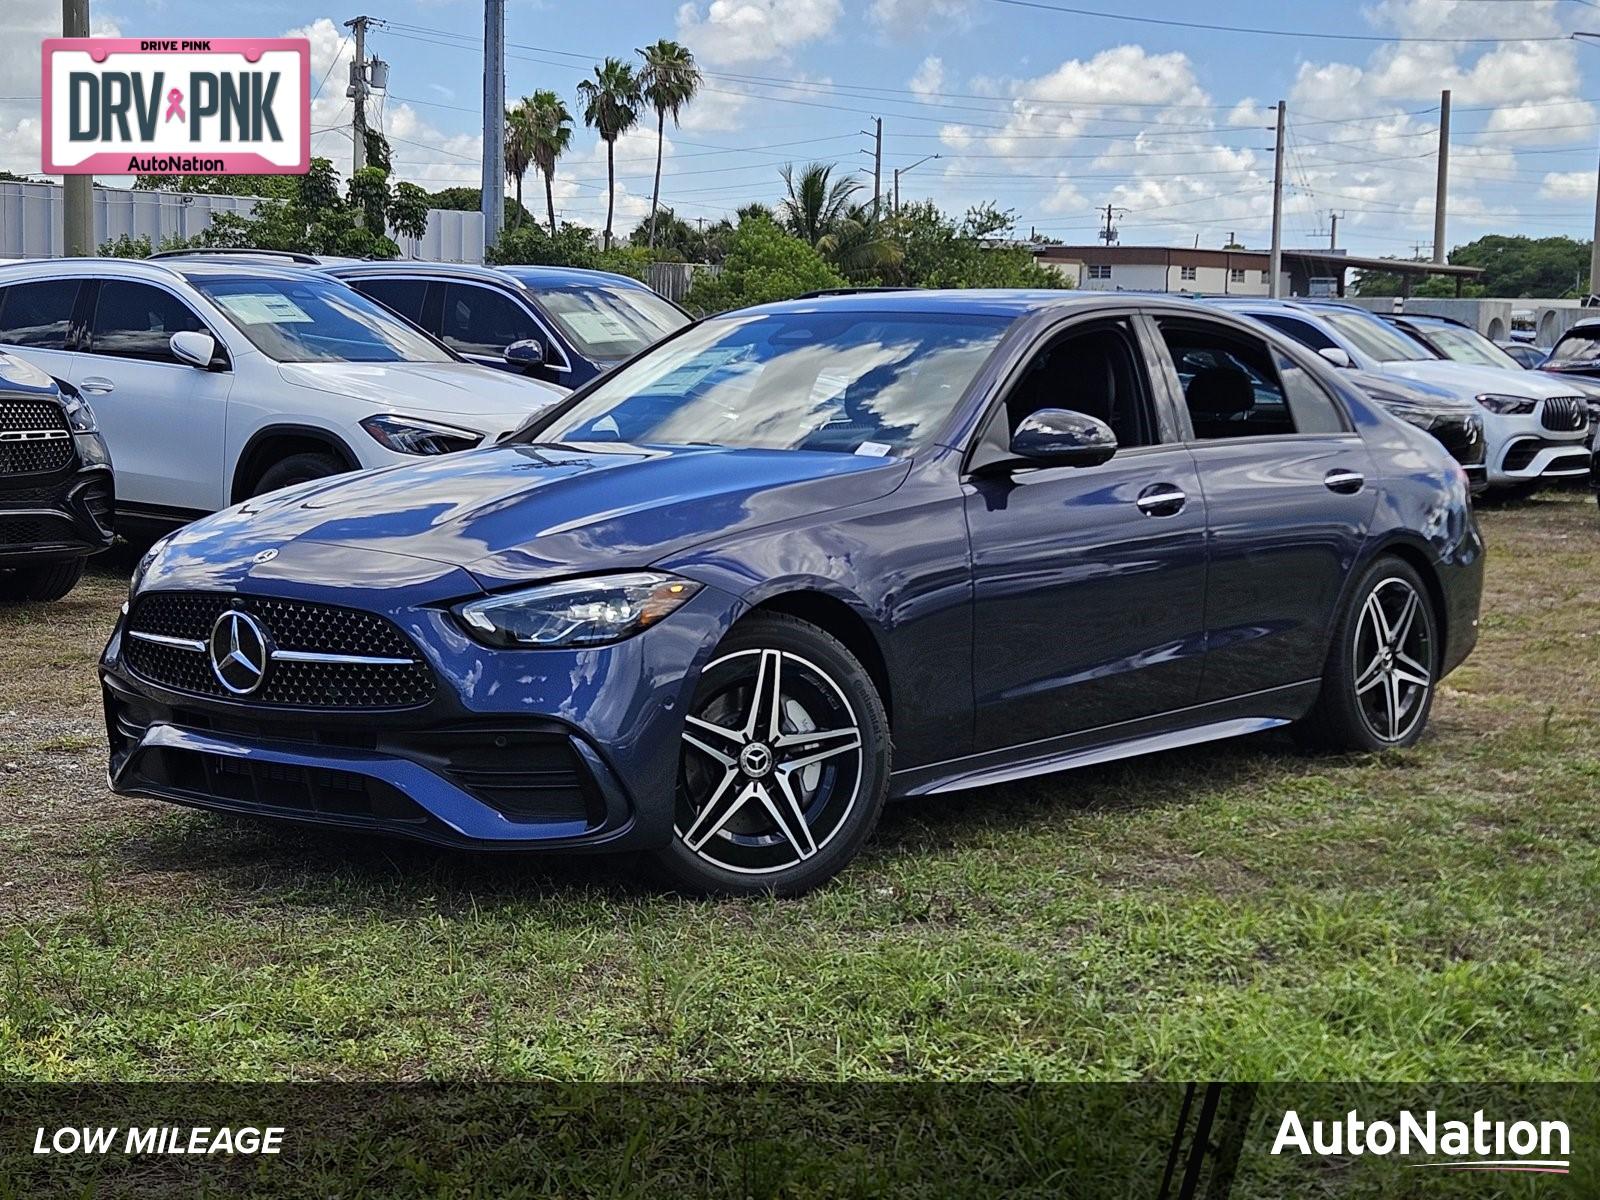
<point>217,380</point>
<point>1535,428</point>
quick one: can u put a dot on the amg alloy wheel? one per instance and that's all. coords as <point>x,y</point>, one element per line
<point>784,764</point>
<point>1377,688</point>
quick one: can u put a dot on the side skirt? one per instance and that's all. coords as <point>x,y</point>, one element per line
<point>1146,735</point>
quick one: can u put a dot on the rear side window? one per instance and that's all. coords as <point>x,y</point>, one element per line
<point>1239,386</point>
<point>478,320</point>
<point>1577,347</point>
<point>404,296</point>
<point>135,320</point>
<point>1303,332</point>
<point>38,314</point>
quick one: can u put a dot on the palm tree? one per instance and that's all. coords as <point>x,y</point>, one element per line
<point>816,203</point>
<point>519,146</point>
<point>668,82</point>
<point>610,107</point>
<point>551,130</point>
<point>860,250</point>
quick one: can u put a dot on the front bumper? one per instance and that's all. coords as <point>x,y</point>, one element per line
<point>65,514</point>
<point>1521,450</point>
<point>517,750</point>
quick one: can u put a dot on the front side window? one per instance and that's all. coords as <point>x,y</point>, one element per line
<point>308,320</point>
<point>846,382</point>
<point>1577,346</point>
<point>480,320</point>
<point>1376,338</point>
<point>612,322</point>
<point>1303,332</point>
<point>1236,386</point>
<point>136,320</point>
<point>1097,372</point>
<point>38,314</point>
<point>1469,346</point>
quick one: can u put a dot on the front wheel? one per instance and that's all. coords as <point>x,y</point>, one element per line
<point>1377,687</point>
<point>297,468</point>
<point>44,582</point>
<point>784,765</point>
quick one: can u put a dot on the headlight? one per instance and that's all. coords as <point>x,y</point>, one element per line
<point>413,435</point>
<point>143,566</point>
<point>1507,405</point>
<point>578,612</point>
<point>79,415</point>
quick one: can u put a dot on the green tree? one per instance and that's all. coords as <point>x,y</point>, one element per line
<point>860,248</point>
<point>669,80</point>
<point>1513,266</point>
<point>519,146</point>
<point>939,253</point>
<point>610,107</point>
<point>764,263</point>
<point>552,134</point>
<point>816,202</point>
<point>408,209</point>
<point>470,199</point>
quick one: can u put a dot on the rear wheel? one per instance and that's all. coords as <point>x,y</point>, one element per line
<point>298,468</point>
<point>42,582</point>
<point>784,764</point>
<point>1377,687</point>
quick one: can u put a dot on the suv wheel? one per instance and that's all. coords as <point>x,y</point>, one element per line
<point>784,765</point>
<point>298,468</point>
<point>1377,687</point>
<point>42,582</point>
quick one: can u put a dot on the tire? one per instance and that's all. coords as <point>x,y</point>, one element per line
<point>762,815</point>
<point>42,582</point>
<point>298,468</point>
<point>1362,684</point>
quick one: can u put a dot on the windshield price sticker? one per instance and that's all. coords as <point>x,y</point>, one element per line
<point>207,106</point>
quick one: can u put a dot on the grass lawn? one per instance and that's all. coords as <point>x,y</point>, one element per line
<point>1240,911</point>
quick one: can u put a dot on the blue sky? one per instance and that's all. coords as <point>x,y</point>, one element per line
<point>1048,113</point>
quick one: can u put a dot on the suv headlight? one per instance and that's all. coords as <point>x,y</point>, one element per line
<point>414,435</point>
<point>79,415</point>
<point>577,612</point>
<point>1507,405</point>
<point>136,580</point>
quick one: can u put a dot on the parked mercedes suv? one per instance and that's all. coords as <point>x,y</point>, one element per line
<point>1536,429</point>
<point>56,487</point>
<point>216,378</point>
<point>560,324</point>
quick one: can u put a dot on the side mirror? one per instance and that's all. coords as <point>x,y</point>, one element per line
<point>1059,437</point>
<point>1338,356</point>
<point>527,354</point>
<point>196,349</point>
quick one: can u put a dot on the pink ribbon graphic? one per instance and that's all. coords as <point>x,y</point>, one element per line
<point>175,105</point>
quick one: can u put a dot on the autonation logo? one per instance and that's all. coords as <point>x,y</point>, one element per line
<point>1476,1145</point>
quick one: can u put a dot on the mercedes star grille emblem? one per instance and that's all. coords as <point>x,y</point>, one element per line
<point>239,650</point>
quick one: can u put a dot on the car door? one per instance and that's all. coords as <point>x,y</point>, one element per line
<point>479,322</point>
<point>1088,582</point>
<point>38,321</point>
<point>163,420</point>
<point>1288,500</point>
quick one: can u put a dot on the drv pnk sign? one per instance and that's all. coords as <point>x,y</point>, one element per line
<point>194,106</point>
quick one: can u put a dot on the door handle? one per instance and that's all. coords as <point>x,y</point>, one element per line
<point>1161,500</point>
<point>97,385</point>
<point>1347,482</point>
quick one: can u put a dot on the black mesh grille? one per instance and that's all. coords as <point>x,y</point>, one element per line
<point>293,625</point>
<point>33,457</point>
<point>35,530</point>
<point>1564,414</point>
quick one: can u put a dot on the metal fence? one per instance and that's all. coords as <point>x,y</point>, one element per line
<point>673,280</point>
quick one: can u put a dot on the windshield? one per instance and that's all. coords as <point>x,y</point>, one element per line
<point>316,320</point>
<point>1576,346</point>
<point>1468,346</point>
<point>609,321</point>
<point>850,382</point>
<point>1377,340</point>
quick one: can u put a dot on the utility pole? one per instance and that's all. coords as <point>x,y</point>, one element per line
<point>899,171</point>
<point>494,120</point>
<point>1444,176</point>
<point>877,163</point>
<point>1275,260</point>
<point>1333,230</point>
<point>77,198</point>
<point>1108,232</point>
<point>1594,247</point>
<point>357,91</point>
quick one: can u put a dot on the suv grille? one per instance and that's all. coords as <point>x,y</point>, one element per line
<point>295,627</point>
<point>34,437</point>
<point>1564,414</point>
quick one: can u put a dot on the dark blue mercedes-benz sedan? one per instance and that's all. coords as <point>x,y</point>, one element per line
<point>722,603</point>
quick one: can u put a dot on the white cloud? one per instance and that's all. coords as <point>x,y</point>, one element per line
<point>744,31</point>
<point>27,22</point>
<point>1568,185</point>
<point>905,18</point>
<point>929,79</point>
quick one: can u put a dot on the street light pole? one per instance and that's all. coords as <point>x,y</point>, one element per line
<point>899,171</point>
<point>77,191</point>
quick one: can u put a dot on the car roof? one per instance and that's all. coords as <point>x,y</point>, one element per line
<point>1004,302</point>
<point>1424,319</point>
<point>528,274</point>
<point>144,268</point>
